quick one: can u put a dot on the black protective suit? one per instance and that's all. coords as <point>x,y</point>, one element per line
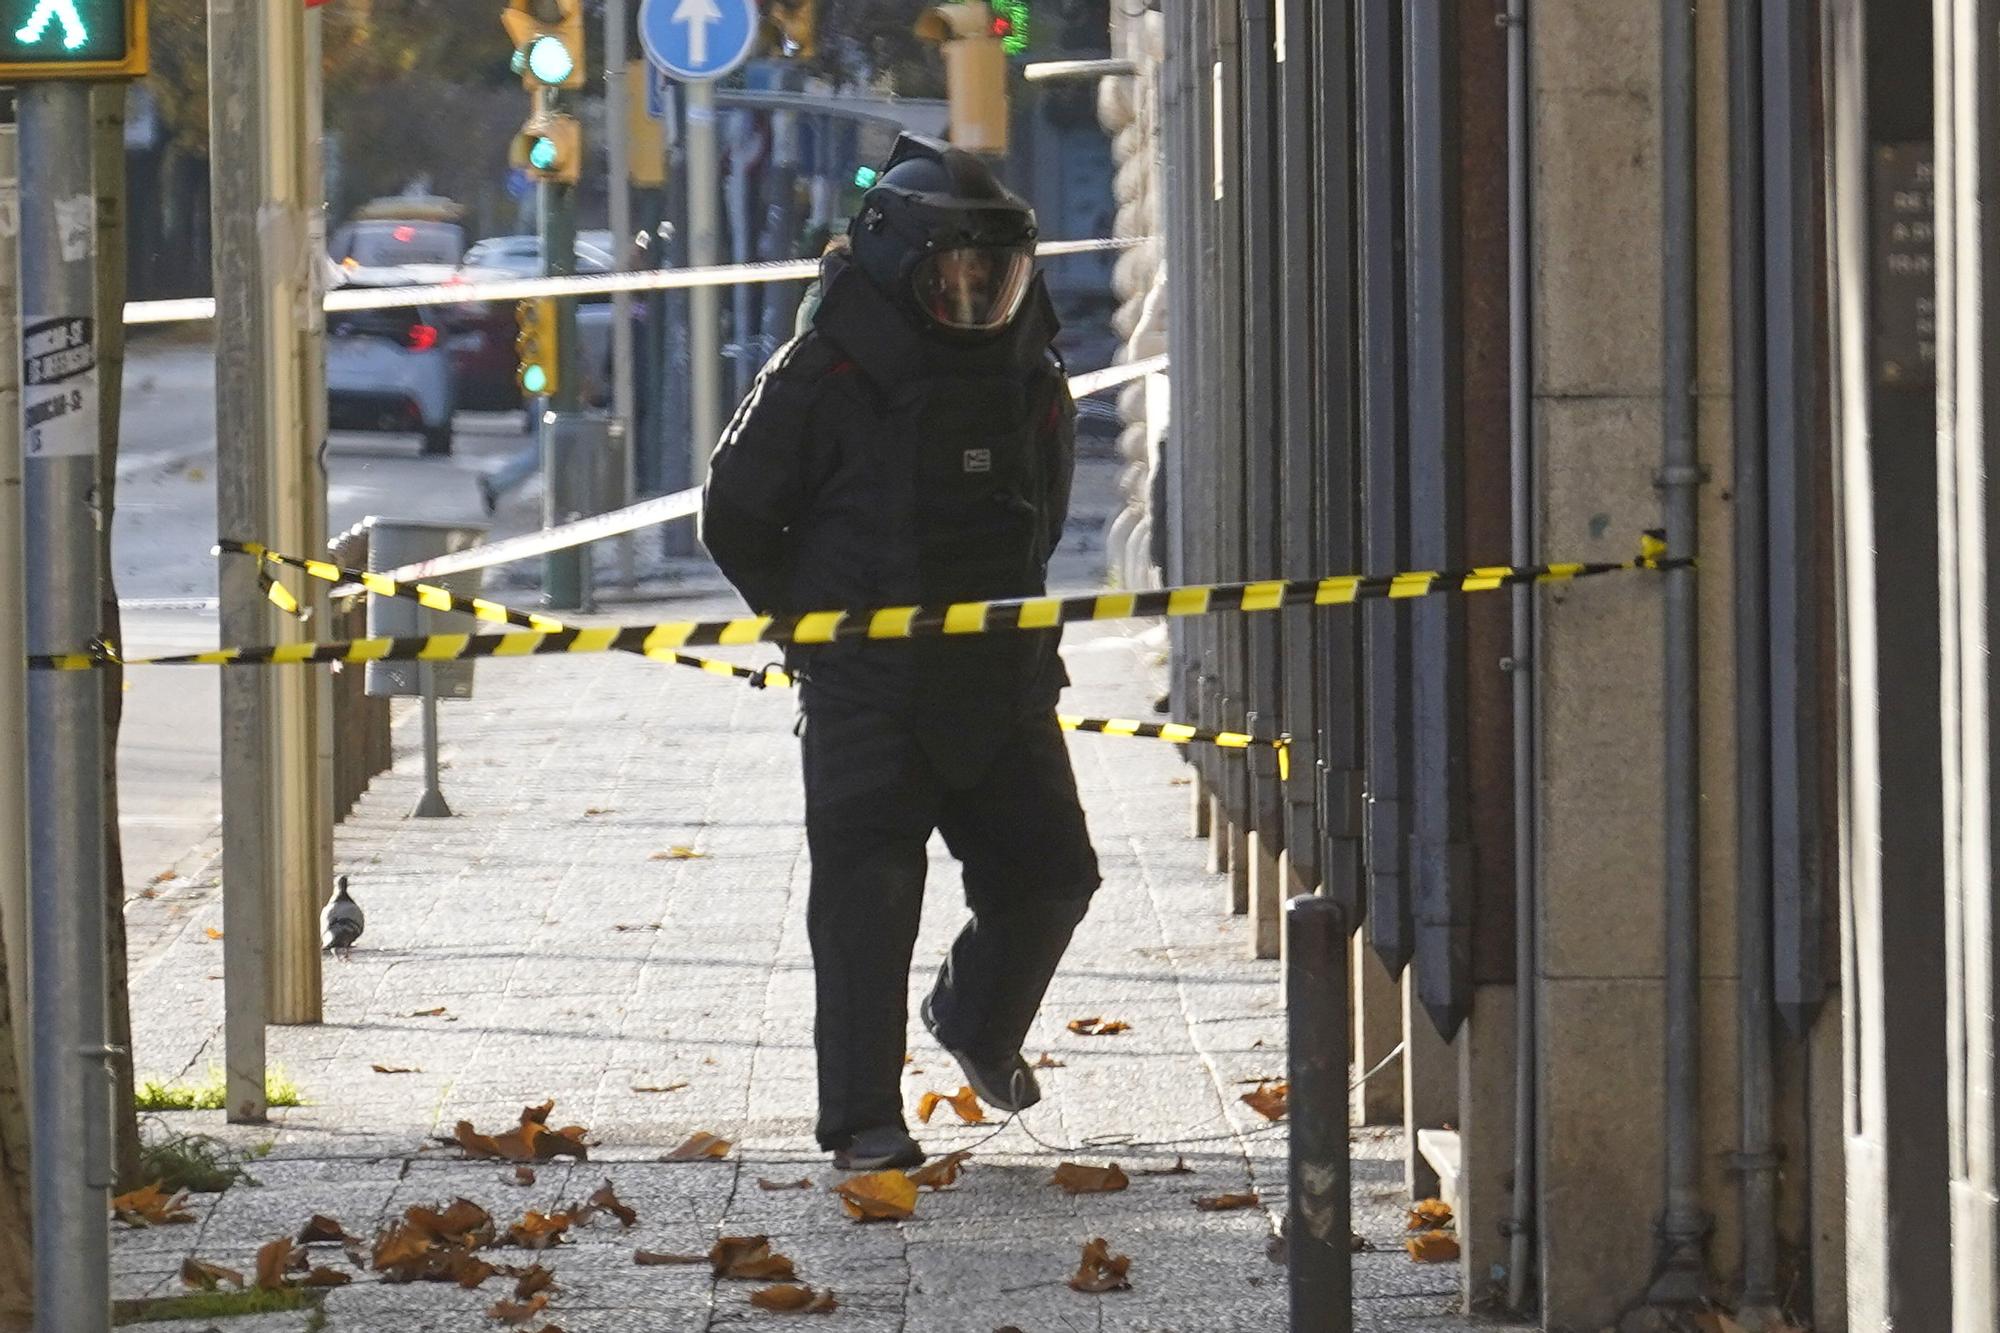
<point>873,465</point>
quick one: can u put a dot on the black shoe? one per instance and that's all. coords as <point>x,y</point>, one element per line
<point>879,1149</point>
<point>1007,1085</point>
<point>487,498</point>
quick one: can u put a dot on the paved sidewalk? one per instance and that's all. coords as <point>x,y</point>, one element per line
<point>546,942</point>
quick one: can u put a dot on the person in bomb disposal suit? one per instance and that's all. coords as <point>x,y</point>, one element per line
<point>915,445</point>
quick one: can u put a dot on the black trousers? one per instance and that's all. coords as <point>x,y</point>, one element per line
<point>873,797</point>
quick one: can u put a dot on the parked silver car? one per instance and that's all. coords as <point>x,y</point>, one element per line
<point>390,370</point>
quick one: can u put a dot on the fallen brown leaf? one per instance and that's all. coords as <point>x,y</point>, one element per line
<point>326,1277</point>
<point>1429,1215</point>
<point>323,1228</point>
<point>802,1183</point>
<point>394,1069</point>
<point>1076,1178</point>
<point>462,1222</point>
<point>599,810</point>
<point>538,1231</point>
<point>1222,1203</point>
<point>518,1312</point>
<point>606,1198</point>
<point>535,1278</point>
<point>201,1274</point>
<point>879,1196</point>
<point>794,1298</point>
<point>1268,1099</point>
<point>939,1172</point>
<point>273,1260</point>
<point>429,1013</point>
<point>656,1258</point>
<point>464,1267</point>
<point>400,1248</point>
<point>212,932</point>
<point>162,877</point>
<point>965,1102</point>
<point>1179,1168</point>
<point>1100,1270</point>
<point>1432,1247</point>
<point>749,1258</point>
<point>699,1147</point>
<point>1049,1062</point>
<point>1357,1243</point>
<point>660,1087</point>
<point>1098,1027</point>
<point>149,1206</point>
<point>523,1175</point>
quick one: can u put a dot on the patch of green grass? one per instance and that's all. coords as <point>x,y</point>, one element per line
<point>210,1305</point>
<point>208,1095</point>
<point>193,1162</point>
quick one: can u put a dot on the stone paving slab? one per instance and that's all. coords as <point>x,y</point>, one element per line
<point>574,956</point>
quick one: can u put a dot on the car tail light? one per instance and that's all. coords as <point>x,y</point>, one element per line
<point>404,235</point>
<point>421,337</point>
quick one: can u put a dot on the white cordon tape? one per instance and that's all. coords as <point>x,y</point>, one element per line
<point>1095,381</point>
<point>197,309</point>
<point>660,509</point>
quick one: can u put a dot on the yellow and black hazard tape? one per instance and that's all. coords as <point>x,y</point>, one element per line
<point>1182,733</point>
<point>664,640</point>
<point>443,599</point>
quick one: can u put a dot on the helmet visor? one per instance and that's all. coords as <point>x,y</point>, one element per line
<point>975,289</point>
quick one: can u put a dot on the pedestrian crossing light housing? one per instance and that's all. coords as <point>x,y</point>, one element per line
<point>72,39</point>
<point>548,42</point>
<point>975,72</point>
<point>535,346</point>
<point>550,148</point>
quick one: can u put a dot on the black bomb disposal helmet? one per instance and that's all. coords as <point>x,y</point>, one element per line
<point>945,240</point>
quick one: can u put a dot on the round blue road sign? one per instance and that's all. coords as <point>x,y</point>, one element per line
<point>692,40</point>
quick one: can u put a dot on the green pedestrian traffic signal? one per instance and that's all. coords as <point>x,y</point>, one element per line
<point>72,39</point>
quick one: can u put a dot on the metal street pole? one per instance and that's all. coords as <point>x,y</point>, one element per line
<point>677,467</point>
<point>565,574</point>
<point>704,204</point>
<point>71,1119</point>
<point>270,484</point>
<point>618,145</point>
<point>13,622</point>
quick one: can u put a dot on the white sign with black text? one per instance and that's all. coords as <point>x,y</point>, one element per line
<point>59,386</point>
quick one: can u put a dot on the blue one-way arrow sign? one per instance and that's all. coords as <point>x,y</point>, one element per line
<point>691,40</point>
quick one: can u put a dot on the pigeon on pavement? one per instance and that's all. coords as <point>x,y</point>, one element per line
<point>340,923</point>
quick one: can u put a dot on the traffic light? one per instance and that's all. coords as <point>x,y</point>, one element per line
<point>535,346</point>
<point>975,71</point>
<point>548,41</point>
<point>550,148</point>
<point>1010,24</point>
<point>794,21</point>
<point>73,39</point>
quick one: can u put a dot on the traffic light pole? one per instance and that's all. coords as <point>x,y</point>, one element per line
<point>618,146</point>
<point>565,574</point>
<point>71,1120</point>
<point>704,204</point>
